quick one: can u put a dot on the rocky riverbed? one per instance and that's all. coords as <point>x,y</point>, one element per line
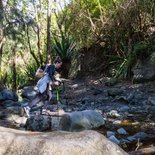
<point>128,109</point>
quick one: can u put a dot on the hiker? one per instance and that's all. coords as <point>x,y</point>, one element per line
<point>44,85</point>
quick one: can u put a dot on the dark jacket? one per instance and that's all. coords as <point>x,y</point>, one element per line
<point>51,71</point>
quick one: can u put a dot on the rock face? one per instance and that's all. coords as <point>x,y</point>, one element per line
<point>16,142</point>
<point>81,120</point>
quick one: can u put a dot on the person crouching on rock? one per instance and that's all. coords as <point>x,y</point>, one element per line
<point>44,84</point>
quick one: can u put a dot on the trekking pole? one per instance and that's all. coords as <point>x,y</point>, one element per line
<point>58,98</point>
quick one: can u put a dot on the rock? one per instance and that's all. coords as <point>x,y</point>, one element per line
<point>10,103</point>
<point>143,71</point>
<point>117,122</point>
<point>124,108</point>
<point>8,95</point>
<point>114,113</point>
<point>21,121</point>
<point>115,91</point>
<point>111,82</point>
<point>81,120</point>
<point>114,139</point>
<point>28,92</point>
<point>97,92</point>
<point>39,123</point>
<point>15,142</point>
<point>16,120</point>
<point>110,133</point>
<point>14,110</point>
<point>152,100</point>
<point>139,135</point>
<point>3,114</point>
<point>122,131</point>
<point>44,122</point>
<point>152,110</point>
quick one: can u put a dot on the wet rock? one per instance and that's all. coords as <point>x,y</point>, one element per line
<point>81,120</point>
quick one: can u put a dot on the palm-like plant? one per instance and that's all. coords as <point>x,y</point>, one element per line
<point>64,47</point>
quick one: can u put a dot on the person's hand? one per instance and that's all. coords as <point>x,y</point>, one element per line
<point>57,83</point>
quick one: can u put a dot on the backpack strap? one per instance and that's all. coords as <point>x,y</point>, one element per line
<point>45,68</point>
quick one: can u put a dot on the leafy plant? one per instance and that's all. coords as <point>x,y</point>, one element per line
<point>64,47</point>
<point>5,81</point>
<point>124,69</point>
<point>29,72</point>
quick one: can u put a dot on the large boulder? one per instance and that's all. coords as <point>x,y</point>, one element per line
<point>81,120</point>
<point>143,71</point>
<point>16,142</point>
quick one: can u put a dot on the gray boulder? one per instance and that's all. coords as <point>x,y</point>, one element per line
<point>81,120</point>
<point>143,71</point>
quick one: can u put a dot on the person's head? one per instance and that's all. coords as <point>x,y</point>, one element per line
<point>57,63</point>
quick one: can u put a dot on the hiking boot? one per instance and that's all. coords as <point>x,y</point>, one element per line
<point>27,110</point>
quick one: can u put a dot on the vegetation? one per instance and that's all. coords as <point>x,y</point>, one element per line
<point>31,31</point>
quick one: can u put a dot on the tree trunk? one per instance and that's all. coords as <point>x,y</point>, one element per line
<point>65,68</point>
<point>29,44</point>
<point>14,72</point>
<point>38,44</point>
<point>1,31</point>
<point>48,54</point>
